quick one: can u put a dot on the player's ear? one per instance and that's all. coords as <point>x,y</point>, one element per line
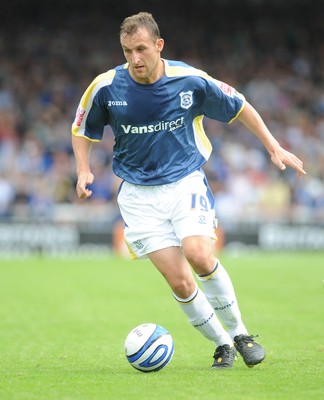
<point>160,44</point>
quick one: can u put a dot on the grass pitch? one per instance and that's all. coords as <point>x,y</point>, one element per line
<point>63,324</point>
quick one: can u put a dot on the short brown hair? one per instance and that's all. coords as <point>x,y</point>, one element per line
<point>131,24</point>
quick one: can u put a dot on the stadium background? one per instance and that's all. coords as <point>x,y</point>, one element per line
<point>272,51</point>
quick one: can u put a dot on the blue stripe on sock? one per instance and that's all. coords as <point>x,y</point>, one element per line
<point>210,273</point>
<point>189,299</point>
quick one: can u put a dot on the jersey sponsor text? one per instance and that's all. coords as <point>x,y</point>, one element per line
<point>161,126</point>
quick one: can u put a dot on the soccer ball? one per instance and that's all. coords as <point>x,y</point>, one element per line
<point>149,347</point>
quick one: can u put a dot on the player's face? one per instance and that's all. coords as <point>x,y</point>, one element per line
<point>143,55</point>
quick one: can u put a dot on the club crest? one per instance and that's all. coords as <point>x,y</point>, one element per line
<point>186,99</point>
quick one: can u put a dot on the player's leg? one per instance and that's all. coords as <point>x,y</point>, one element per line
<point>175,268</point>
<point>193,223</point>
<point>220,292</point>
<point>215,281</point>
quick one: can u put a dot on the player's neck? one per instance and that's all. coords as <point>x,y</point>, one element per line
<point>159,73</point>
<point>161,70</point>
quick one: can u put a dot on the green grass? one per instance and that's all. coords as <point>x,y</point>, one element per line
<point>63,324</point>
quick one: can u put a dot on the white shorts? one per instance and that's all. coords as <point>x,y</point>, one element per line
<point>161,216</point>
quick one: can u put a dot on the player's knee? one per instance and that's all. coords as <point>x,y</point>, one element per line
<point>183,288</point>
<point>202,261</point>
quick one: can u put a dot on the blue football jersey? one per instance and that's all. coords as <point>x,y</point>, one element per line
<point>158,128</point>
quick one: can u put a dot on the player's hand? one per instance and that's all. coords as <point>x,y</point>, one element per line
<point>281,157</point>
<point>84,179</point>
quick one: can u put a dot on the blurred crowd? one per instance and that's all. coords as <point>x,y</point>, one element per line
<point>276,59</point>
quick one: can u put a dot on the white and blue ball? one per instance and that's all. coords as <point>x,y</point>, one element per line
<point>149,347</point>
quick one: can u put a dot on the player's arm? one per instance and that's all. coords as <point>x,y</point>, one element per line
<point>279,156</point>
<point>82,148</point>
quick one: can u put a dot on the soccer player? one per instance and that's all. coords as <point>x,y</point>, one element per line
<point>155,108</point>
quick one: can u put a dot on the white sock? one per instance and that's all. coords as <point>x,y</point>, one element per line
<point>220,293</point>
<point>202,316</point>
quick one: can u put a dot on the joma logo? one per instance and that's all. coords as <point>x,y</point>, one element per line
<point>117,103</point>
